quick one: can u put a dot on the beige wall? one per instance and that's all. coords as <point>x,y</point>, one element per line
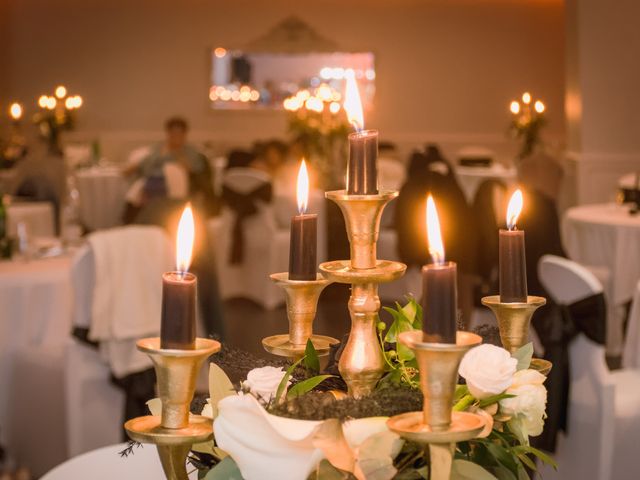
<point>446,69</point>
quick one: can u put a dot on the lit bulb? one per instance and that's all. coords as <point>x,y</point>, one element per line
<point>514,107</point>
<point>526,98</point>
<point>15,110</point>
<point>61,91</point>
<point>539,106</point>
<point>42,101</point>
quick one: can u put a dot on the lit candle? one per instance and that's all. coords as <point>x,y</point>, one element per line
<point>178,324</point>
<point>439,286</point>
<point>362,174</point>
<point>513,267</point>
<point>304,232</point>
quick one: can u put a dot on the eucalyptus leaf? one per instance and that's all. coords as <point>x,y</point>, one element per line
<point>465,470</point>
<point>227,469</point>
<point>307,385</point>
<point>311,359</point>
<point>282,386</point>
<point>220,386</point>
<point>524,355</point>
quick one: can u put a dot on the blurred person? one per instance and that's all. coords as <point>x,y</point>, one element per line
<point>430,172</point>
<point>152,169</point>
<point>270,156</point>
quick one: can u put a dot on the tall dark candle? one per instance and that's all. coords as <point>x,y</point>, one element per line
<point>439,302</point>
<point>362,170</point>
<point>303,247</point>
<point>513,267</point>
<point>178,321</point>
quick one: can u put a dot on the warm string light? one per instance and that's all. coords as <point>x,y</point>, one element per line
<point>434,234</point>
<point>322,98</point>
<point>15,111</point>
<point>514,209</point>
<point>244,94</point>
<point>184,240</point>
<point>302,192</point>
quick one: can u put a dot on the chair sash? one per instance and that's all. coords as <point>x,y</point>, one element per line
<point>244,205</point>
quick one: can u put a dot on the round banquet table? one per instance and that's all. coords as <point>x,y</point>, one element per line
<point>35,322</point>
<point>470,178</point>
<point>37,216</point>
<point>631,355</point>
<point>605,235</point>
<point>102,197</point>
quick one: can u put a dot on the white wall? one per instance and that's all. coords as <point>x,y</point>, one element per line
<point>446,70</point>
<point>602,102</point>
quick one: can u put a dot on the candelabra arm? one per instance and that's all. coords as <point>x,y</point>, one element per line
<point>441,456</point>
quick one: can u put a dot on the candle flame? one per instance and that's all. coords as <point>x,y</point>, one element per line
<point>184,241</point>
<point>15,110</point>
<point>514,209</point>
<point>434,235</point>
<point>353,104</point>
<point>303,188</point>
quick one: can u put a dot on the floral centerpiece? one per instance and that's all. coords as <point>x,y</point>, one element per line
<point>297,423</point>
<point>316,119</point>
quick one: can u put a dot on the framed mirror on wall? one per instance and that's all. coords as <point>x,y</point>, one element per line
<point>289,65</point>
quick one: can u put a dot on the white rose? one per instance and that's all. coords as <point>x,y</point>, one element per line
<point>529,404</point>
<point>263,382</point>
<point>488,370</point>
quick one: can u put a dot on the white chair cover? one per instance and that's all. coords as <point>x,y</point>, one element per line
<point>604,421</point>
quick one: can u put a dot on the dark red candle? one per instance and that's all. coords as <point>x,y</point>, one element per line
<point>513,267</point>
<point>362,169</point>
<point>178,320</point>
<point>439,287</point>
<point>303,245</point>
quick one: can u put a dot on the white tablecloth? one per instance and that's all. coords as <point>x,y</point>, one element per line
<point>37,216</point>
<point>35,321</point>
<point>631,355</point>
<point>470,178</point>
<point>102,196</point>
<point>605,235</point>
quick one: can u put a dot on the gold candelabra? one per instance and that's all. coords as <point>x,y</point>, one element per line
<point>302,302</point>
<point>361,363</point>
<point>437,425</point>
<point>514,319</point>
<point>175,430</point>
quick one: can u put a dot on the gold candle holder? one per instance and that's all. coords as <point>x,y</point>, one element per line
<point>362,215</point>
<point>361,363</point>
<point>302,303</point>
<point>175,430</point>
<point>514,320</point>
<point>437,425</point>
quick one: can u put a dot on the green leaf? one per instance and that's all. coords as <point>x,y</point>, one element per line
<point>227,469</point>
<point>485,402</point>
<point>517,427</point>
<point>464,402</point>
<point>311,359</point>
<point>409,311</point>
<point>503,456</point>
<point>307,385</point>
<point>465,470</point>
<point>538,453</point>
<point>527,461</point>
<point>503,473</point>
<point>461,391</point>
<point>404,352</point>
<point>524,355</point>
<point>285,379</point>
<point>392,332</point>
<point>219,387</point>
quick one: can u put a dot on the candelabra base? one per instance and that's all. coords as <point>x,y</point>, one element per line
<point>464,426</point>
<point>541,365</point>
<point>281,345</point>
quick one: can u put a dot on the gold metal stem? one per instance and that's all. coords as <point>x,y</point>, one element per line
<point>513,319</point>
<point>174,459</point>
<point>362,215</point>
<point>302,303</point>
<point>441,456</point>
